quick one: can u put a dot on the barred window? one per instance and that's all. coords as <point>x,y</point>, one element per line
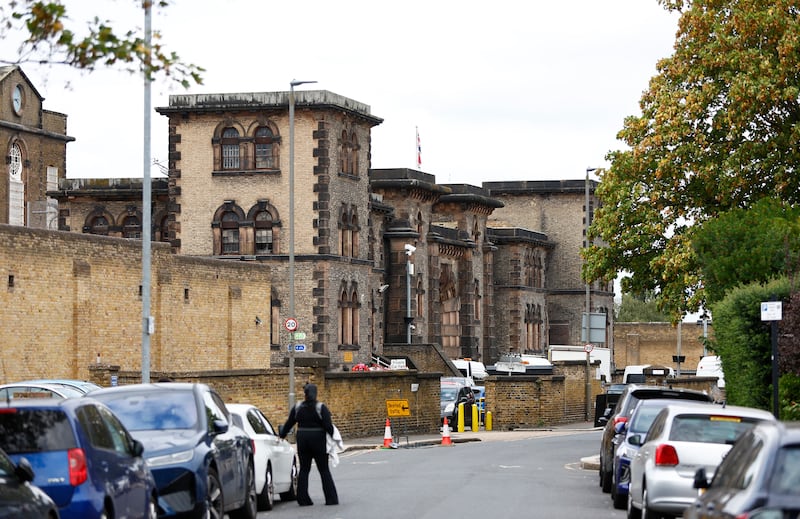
<point>230,233</point>
<point>230,148</point>
<point>132,227</point>
<point>99,225</point>
<point>263,233</point>
<point>264,148</point>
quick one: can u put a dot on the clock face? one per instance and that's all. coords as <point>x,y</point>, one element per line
<point>16,99</point>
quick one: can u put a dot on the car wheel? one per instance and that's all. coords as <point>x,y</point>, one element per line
<point>646,512</point>
<point>266,498</point>
<point>106,513</point>
<point>633,512</point>
<point>619,500</point>
<point>215,508</point>
<point>291,494</point>
<point>249,508</point>
<point>606,479</point>
<point>152,508</point>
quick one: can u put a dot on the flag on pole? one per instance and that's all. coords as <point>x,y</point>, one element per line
<point>419,151</point>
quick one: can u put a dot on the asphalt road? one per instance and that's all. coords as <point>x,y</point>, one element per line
<point>511,477</point>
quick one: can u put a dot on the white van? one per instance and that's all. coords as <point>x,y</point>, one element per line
<point>711,366</point>
<point>635,374</point>
<point>471,368</point>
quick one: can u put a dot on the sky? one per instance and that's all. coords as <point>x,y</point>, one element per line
<point>502,90</point>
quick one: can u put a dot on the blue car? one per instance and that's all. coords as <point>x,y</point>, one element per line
<point>202,463</point>
<point>81,455</point>
<point>629,437</point>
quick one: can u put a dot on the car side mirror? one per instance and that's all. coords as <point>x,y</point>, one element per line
<point>220,426</point>
<point>635,439</point>
<point>137,449</point>
<point>700,479</point>
<point>24,470</point>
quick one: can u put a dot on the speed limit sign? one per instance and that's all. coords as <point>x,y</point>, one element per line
<point>290,324</point>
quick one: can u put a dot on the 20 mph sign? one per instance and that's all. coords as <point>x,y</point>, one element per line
<point>290,324</point>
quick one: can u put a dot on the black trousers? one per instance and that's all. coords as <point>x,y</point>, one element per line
<point>311,445</point>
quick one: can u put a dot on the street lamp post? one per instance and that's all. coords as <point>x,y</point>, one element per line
<point>293,83</point>
<point>588,302</point>
<point>409,272</point>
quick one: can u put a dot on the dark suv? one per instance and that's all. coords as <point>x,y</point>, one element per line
<point>630,396</point>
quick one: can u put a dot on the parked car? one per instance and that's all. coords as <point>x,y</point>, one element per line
<point>758,479</point>
<point>28,390</point>
<point>452,394</point>
<point>18,496</point>
<point>84,386</point>
<point>202,463</point>
<point>683,437</point>
<point>275,459</point>
<point>83,457</point>
<point>630,396</point>
<point>627,441</point>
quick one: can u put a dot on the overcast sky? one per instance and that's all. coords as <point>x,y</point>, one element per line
<point>502,90</point>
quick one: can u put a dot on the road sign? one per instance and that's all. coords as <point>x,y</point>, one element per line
<point>588,347</point>
<point>297,347</point>
<point>290,324</point>
<point>771,310</point>
<point>299,335</point>
<point>397,408</point>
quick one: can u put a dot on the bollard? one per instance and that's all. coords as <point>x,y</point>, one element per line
<point>460,421</point>
<point>487,424</point>
<point>475,420</point>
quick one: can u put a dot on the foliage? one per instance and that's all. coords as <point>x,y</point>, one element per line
<point>789,337</point>
<point>717,130</point>
<point>789,393</point>
<point>743,342</point>
<point>747,245</point>
<point>640,309</point>
<point>51,36</point>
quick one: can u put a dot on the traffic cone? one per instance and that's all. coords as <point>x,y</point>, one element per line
<point>387,435</point>
<point>446,433</point>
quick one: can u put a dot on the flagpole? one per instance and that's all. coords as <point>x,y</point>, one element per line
<point>419,150</point>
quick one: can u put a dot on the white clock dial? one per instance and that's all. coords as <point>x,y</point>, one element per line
<point>16,98</point>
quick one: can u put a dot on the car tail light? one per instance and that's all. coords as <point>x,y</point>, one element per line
<point>77,467</point>
<point>253,445</point>
<point>8,410</point>
<point>620,419</point>
<point>666,455</point>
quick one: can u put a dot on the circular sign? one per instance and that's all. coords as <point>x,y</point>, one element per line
<point>290,324</point>
<point>588,348</point>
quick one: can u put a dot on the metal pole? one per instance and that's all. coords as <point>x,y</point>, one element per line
<point>588,302</point>
<point>776,408</point>
<point>293,83</point>
<point>146,196</point>
<point>408,299</point>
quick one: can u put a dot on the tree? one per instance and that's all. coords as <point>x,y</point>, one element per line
<point>718,130</point>
<point>640,309</point>
<point>51,36</point>
<point>746,245</point>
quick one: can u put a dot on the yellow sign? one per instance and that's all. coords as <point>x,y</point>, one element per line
<point>397,408</point>
<point>348,357</point>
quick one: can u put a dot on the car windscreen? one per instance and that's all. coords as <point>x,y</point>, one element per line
<point>153,411</point>
<point>709,428</point>
<point>785,478</point>
<point>643,419</point>
<point>35,430</point>
<point>449,393</point>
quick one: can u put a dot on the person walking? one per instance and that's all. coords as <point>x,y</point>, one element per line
<point>313,421</point>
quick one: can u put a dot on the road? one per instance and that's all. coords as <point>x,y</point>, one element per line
<point>533,477</point>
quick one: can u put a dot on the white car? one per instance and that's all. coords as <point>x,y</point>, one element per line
<point>275,459</point>
<point>683,438</point>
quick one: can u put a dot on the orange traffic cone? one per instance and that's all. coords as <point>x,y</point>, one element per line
<point>387,435</point>
<point>446,433</point>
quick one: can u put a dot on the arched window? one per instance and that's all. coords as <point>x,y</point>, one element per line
<point>164,226</point>
<point>265,156</point>
<point>353,154</point>
<point>451,325</point>
<point>348,315</point>
<point>132,227</point>
<point>263,232</point>
<point>230,148</point>
<point>99,225</point>
<point>344,153</point>
<point>230,233</point>
<point>15,163</point>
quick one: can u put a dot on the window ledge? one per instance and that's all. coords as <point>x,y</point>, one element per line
<point>245,172</point>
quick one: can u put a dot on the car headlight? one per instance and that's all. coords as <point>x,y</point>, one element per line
<point>171,458</point>
<point>765,513</point>
<point>449,408</point>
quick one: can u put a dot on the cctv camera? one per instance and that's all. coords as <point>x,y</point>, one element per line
<point>383,288</point>
<point>410,249</point>
<point>258,320</point>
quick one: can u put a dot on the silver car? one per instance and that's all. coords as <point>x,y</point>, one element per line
<point>683,438</point>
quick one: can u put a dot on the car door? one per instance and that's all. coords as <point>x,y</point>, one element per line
<point>115,467</point>
<point>281,451</point>
<point>226,449</point>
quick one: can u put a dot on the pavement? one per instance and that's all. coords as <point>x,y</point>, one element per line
<point>401,441</point>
